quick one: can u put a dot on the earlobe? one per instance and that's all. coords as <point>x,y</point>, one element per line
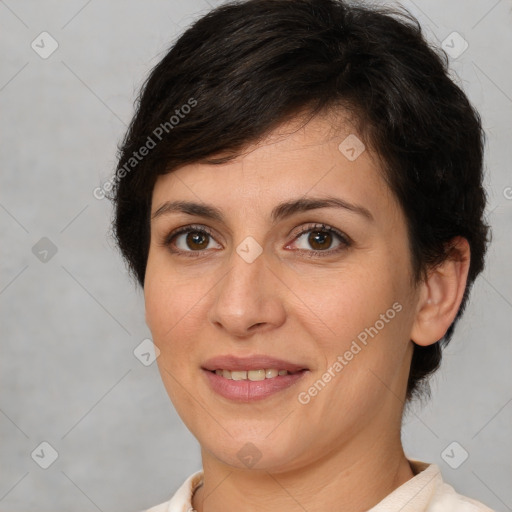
<point>441,294</point>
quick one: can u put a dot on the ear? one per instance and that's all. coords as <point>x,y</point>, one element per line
<point>441,294</point>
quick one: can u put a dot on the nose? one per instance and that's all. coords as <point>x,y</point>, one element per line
<point>247,298</point>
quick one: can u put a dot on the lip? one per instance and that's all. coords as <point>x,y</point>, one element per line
<point>257,362</point>
<point>247,390</point>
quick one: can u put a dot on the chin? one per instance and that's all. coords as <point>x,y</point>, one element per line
<point>257,454</point>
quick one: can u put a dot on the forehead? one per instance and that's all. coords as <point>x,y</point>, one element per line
<point>320,158</point>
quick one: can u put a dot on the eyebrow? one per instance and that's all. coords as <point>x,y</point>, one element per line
<point>281,211</point>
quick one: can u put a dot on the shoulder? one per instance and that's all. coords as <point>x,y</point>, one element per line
<point>447,499</point>
<point>181,501</point>
<point>427,492</point>
<point>163,507</point>
<point>442,496</point>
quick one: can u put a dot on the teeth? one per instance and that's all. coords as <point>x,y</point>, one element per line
<point>256,374</point>
<point>253,375</point>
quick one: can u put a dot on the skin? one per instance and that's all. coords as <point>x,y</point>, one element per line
<point>344,446</point>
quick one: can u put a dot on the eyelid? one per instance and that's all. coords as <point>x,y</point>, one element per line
<point>185,229</point>
<point>345,241</point>
<point>321,227</point>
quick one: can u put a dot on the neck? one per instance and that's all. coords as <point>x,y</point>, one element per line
<point>341,480</point>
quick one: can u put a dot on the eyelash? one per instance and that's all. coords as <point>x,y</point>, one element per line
<point>323,228</point>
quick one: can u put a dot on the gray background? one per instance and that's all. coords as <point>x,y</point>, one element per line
<point>70,324</point>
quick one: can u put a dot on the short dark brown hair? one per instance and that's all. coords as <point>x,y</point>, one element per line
<point>248,66</point>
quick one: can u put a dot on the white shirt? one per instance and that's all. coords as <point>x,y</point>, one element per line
<point>425,492</point>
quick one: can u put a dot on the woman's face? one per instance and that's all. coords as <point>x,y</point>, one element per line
<point>325,290</point>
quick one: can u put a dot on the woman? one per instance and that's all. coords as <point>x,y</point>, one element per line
<point>304,212</point>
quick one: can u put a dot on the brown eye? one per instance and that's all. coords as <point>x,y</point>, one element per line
<point>197,240</point>
<point>189,240</point>
<point>320,240</point>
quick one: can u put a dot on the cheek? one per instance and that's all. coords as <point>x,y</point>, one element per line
<point>157,300</point>
<point>170,311</point>
<point>160,294</point>
<point>162,304</point>
<point>174,305</point>
<point>367,314</point>
<point>348,301</point>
